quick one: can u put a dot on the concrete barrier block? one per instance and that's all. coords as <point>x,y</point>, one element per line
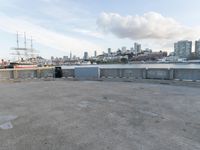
<point>68,73</point>
<point>171,74</point>
<point>144,73</point>
<point>27,74</point>
<point>6,74</point>
<point>157,73</point>
<point>187,74</point>
<point>87,73</point>
<point>132,73</point>
<point>46,73</point>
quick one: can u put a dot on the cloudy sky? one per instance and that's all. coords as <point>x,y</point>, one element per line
<point>61,26</point>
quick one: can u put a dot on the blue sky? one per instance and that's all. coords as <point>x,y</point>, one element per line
<point>61,26</point>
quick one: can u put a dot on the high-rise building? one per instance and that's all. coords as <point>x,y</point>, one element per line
<point>74,57</point>
<point>109,50</point>
<point>65,58</point>
<point>183,49</point>
<point>70,57</point>
<point>95,53</point>
<point>123,49</point>
<point>197,48</point>
<point>85,57</point>
<point>137,47</point>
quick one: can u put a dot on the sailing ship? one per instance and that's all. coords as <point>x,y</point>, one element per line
<point>26,57</point>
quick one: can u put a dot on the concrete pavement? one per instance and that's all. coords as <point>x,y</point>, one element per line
<point>92,115</point>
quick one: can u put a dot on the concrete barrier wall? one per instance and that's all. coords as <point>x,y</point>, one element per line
<point>187,74</point>
<point>87,73</point>
<point>45,72</point>
<point>122,73</point>
<point>6,74</point>
<point>24,74</point>
<point>158,73</point>
<point>134,73</point>
<point>110,73</point>
<point>67,73</point>
<point>137,73</point>
<point>152,73</point>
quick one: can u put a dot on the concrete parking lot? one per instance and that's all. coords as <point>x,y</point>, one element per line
<point>94,115</point>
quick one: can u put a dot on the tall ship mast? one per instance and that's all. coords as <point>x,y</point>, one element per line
<point>24,54</point>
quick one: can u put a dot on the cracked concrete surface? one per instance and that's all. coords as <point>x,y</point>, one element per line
<point>90,115</point>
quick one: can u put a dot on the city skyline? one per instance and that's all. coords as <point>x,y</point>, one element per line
<point>60,27</point>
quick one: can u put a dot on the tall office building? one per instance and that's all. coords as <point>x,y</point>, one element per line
<point>137,47</point>
<point>65,58</point>
<point>197,48</point>
<point>109,50</point>
<point>85,57</point>
<point>70,57</point>
<point>183,49</point>
<point>95,53</point>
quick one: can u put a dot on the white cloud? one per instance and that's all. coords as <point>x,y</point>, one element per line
<point>46,37</point>
<point>151,26</point>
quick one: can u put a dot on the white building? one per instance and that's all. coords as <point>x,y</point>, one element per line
<point>183,49</point>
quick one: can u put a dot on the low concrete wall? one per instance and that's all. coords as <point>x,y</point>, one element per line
<point>132,73</point>
<point>187,74</point>
<point>122,73</point>
<point>45,72</point>
<point>6,74</point>
<point>67,73</point>
<point>87,73</point>
<point>145,73</point>
<point>24,74</point>
<point>158,73</point>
